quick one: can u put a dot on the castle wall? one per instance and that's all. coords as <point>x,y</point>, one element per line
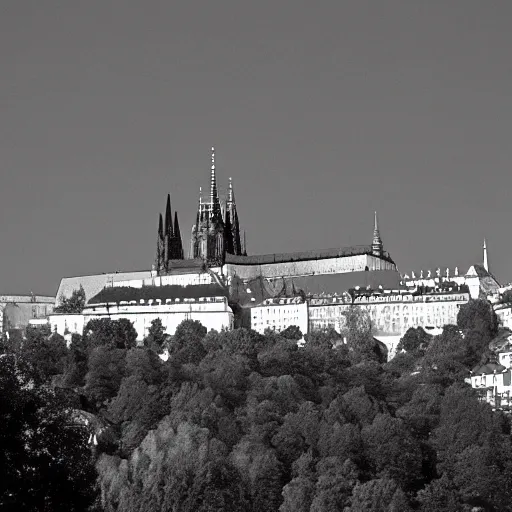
<point>337,265</point>
<point>392,315</point>
<point>212,312</point>
<point>182,279</point>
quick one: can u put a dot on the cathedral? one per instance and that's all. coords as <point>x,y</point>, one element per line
<point>215,233</point>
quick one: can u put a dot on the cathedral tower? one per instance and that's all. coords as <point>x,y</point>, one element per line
<point>377,246</point>
<point>207,241</point>
<point>232,225</point>
<point>217,230</point>
<point>169,245</point>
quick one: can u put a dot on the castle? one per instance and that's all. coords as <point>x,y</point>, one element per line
<point>215,233</point>
<point>216,244</point>
<point>218,259</point>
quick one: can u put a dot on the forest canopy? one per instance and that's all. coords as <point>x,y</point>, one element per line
<point>240,421</point>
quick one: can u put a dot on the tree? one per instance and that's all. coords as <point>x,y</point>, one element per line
<point>76,363</point>
<point>110,333</point>
<point>324,338</point>
<point>446,355</point>
<point>189,331</point>
<point>156,337</point>
<point>415,338</point>
<point>391,450</point>
<point>185,346</point>
<point>336,480</point>
<point>106,369</point>
<point>45,352</point>
<point>374,496</point>
<point>74,304</point>
<point>299,492</point>
<point>45,461</point>
<point>292,332</point>
<point>261,471</point>
<point>478,315</point>
<point>216,488</point>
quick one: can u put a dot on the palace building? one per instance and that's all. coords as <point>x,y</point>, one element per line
<point>218,257</point>
<point>222,286</point>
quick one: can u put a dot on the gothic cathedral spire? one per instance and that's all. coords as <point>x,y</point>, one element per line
<point>216,213</point>
<point>377,246</point>
<point>159,245</point>
<point>177,243</point>
<point>233,242</point>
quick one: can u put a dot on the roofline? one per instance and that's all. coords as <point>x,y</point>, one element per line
<point>35,295</point>
<point>318,254</point>
<point>106,273</point>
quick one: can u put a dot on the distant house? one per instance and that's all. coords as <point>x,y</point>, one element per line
<point>493,380</point>
<point>18,311</point>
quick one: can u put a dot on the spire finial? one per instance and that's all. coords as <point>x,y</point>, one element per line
<point>230,194</point>
<point>377,246</point>
<point>486,261</point>
<point>213,184</point>
<point>168,217</point>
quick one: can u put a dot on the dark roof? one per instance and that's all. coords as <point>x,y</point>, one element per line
<point>126,293</point>
<point>501,340</point>
<point>481,272</point>
<point>262,289</point>
<point>192,264</point>
<point>265,259</point>
<point>488,368</point>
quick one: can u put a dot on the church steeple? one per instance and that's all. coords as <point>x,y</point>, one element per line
<point>167,232</point>
<point>177,243</point>
<point>168,217</point>
<point>230,192</point>
<point>232,226</point>
<point>216,213</point>
<point>217,230</point>
<point>377,246</point>
<point>159,244</point>
<point>486,261</point>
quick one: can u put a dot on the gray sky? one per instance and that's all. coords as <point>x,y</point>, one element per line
<point>320,111</point>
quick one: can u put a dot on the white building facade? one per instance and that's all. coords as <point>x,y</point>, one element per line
<point>212,312</point>
<point>392,312</point>
<point>493,381</point>
<point>280,313</point>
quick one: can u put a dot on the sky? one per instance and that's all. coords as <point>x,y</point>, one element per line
<point>321,112</point>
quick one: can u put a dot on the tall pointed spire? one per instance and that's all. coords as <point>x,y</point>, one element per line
<point>213,180</point>
<point>230,192</point>
<point>168,217</point>
<point>486,261</point>
<point>228,232</point>
<point>235,246</point>
<point>377,246</point>
<point>178,246</point>
<point>159,244</point>
<point>216,212</point>
<point>160,227</point>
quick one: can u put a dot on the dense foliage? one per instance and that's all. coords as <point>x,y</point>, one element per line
<point>73,304</point>
<point>240,421</point>
<point>45,459</point>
